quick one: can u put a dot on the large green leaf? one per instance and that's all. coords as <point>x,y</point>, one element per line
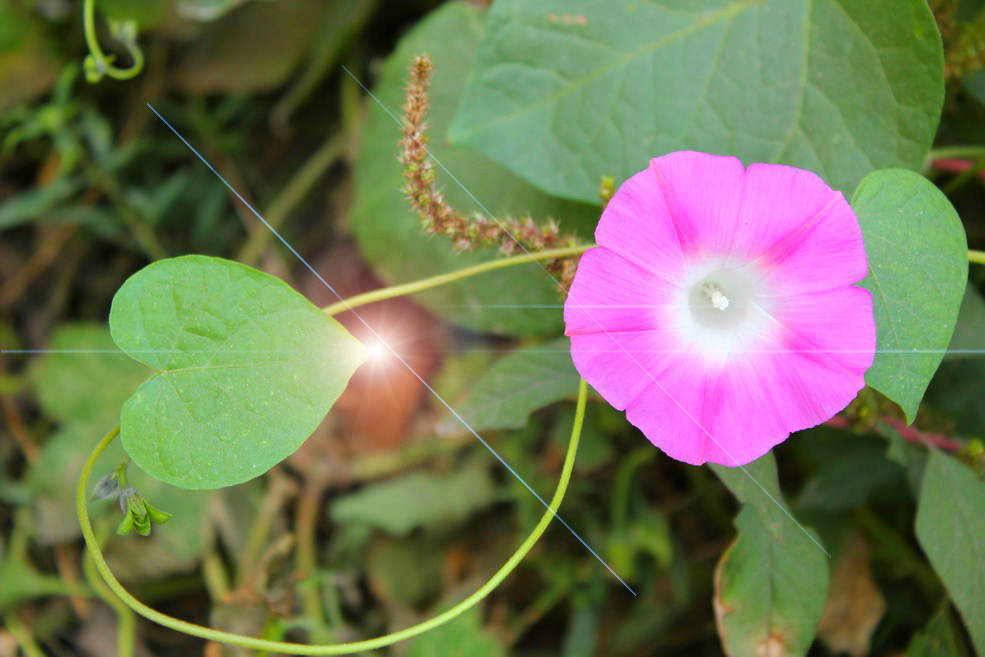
<point>918,269</point>
<point>565,91</point>
<point>518,384</point>
<point>389,233</point>
<point>951,529</point>
<point>772,583</point>
<point>245,369</point>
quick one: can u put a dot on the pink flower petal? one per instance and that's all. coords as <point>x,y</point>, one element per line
<point>701,417</point>
<point>719,311</point>
<point>637,226</point>
<point>846,335</point>
<point>777,200</point>
<point>736,414</point>
<point>615,295</point>
<point>621,365</point>
<point>822,254</point>
<point>703,194</point>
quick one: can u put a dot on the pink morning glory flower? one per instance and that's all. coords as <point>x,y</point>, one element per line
<point>719,310</point>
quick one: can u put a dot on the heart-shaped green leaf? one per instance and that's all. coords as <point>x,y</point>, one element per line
<point>918,270</point>
<point>565,91</point>
<point>246,368</point>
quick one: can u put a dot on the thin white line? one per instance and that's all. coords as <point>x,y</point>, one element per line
<point>526,350</point>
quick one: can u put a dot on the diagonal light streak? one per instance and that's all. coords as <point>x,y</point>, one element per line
<point>395,354</point>
<point>619,344</point>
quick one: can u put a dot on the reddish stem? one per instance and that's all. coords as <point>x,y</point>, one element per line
<point>908,433</point>
<point>955,165</point>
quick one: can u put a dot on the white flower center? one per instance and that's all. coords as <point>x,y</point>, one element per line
<point>722,309</point>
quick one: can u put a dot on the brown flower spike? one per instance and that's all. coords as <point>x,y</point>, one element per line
<point>439,217</point>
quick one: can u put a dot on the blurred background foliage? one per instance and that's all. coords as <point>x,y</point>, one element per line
<point>389,512</point>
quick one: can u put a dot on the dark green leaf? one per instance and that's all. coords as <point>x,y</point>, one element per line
<point>515,386</point>
<point>28,62</point>
<point>245,369</point>
<point>419,499</point>
<point>772,583</point>
<point>918,269</point>
<point>462,637</point>
<point>850,469</point>
<point>955,391</point>
<point>206,10</point>
<point>951,529</point>
<point>404,571</point>
<point>968,340</point>
<point>937,639</point>
<point>21,582</point>
<point>389,233</point>
<point>566,91</point>
<point>254,49</point>
<point>36,204</point>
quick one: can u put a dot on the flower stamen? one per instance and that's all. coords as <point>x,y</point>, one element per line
<point>714,293</point>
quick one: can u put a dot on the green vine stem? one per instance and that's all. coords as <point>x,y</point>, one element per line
<point>501,263</point>
<point>22,635</point>
<point>327,649</point>
<point>295,191</point>
<point>97,63</point>
<point>946,152</point>
<point>451,277</point>
<point>126,629</point>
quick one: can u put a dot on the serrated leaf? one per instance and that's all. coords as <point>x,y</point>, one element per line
<point>418,500</point>
<point>89,378</point>
<point>918,270</point>
<point>518,384</point>
<point>565,91</point>
<point>950,526</point>
<point>772,583</point>
<point>245,369</point>
<point>389,233</point>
